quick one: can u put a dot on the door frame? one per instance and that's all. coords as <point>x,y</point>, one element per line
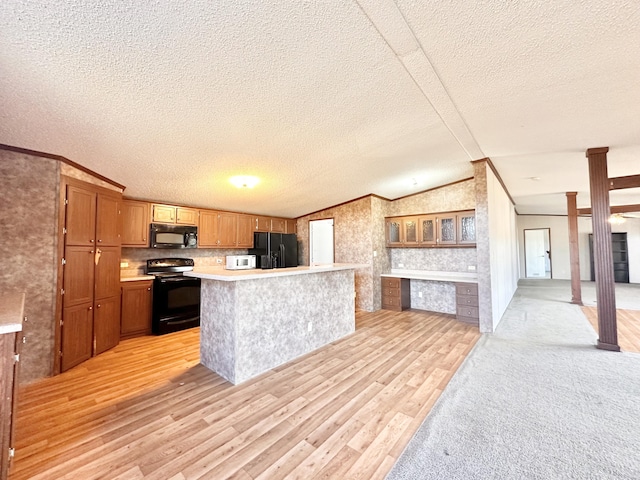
<point>333,234</point>
<point>548,230</point>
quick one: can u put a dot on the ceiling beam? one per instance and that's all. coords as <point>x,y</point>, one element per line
<point>630,181</point>
<point>614,209</point>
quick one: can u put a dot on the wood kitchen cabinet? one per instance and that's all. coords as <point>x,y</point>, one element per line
<point>278,225</point>
<point>135,223</point>
<point>245,231</point>
<point>467,309</point>
<point>432,230</point>
<point>396,293</point>
<point>137,301</point>
<point>91,272</point>
<point>292,225</point>
<point>219,229</point>
<point>261,224</point>
<point>172,214</point>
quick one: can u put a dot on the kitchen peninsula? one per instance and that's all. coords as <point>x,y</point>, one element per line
<point>254,320</point>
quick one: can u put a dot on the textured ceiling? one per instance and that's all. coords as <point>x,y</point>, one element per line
<point>325,100</point>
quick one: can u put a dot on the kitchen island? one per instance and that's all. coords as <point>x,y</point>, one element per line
<point>254,320</point>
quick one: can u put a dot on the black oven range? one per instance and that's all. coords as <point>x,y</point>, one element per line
<point>176,298</point>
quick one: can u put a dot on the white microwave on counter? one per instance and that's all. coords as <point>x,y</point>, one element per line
<point>240,262</point>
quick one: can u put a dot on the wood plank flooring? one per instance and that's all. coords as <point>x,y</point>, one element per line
<point>148,410</point>
<point>628,327</point>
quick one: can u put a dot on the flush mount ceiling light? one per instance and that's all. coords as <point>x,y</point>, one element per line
<point>244,181</point>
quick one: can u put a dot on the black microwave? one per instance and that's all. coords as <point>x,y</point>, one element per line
<point>173,236</point>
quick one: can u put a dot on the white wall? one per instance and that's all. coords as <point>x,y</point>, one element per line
<point>503,247</point>
<point>559,225</point>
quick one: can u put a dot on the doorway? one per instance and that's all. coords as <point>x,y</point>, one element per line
<point>537,253</point>
<point>321,242</point>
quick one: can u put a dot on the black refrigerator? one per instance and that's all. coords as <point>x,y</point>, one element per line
<point>275,250</point>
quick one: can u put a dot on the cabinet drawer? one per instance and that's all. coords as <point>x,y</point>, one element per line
<point>390,282</point>
<point>467,300</point>
<point>391,292</point>
<point>390,301</point>
<point>466,289</point>
<point>465,311</point>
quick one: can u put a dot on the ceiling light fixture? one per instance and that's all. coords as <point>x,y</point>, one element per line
<point>244,181</point>
<point>616,219</point>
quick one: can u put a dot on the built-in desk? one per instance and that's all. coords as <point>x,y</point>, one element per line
<point>454,293</point>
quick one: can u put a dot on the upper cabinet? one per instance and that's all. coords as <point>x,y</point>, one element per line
<point>278,225</point>
<point>432,230</point>
<point>225,230</point>
<point>135,223</point>
<point>262,224</point>
<point>171,214</point>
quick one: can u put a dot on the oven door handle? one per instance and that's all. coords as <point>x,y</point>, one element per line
<point>180,322</point>
<point>178,279</point>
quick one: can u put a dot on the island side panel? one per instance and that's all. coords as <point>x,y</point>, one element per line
<point>273,316</point>
<point>218,327</point>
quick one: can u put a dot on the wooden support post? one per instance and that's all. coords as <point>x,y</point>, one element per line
<point>602,250</point>
<point>574,252</point>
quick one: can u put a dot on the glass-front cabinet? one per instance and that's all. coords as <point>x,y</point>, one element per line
<point>427,228</point>
<point>410,229</point>
<point>446,230</point>
<point>441,229</point>
<point>394,229</point>
<point>467,227</point>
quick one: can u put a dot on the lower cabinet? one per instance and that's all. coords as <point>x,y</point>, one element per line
<point>137,299</point>
<point>396,293</point>
<point>467,303</point>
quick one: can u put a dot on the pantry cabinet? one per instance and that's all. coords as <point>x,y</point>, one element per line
<point>90,322</point>
<point>432,230</point>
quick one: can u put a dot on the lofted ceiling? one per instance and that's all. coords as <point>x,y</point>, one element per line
<point>325,100</point>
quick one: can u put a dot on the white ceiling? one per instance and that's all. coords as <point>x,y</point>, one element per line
<point>325,100</point>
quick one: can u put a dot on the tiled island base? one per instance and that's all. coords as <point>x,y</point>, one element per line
<point>249,326</point>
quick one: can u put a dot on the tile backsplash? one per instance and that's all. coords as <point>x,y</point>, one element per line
<point>136,258</point>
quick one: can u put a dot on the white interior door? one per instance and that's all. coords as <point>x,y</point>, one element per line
<point>535,253</point>
<point>321,242</point>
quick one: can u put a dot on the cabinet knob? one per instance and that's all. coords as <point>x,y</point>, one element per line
<point>91,251</point>
<point>91,240</point>
<point>144,239</point>
<point>90,308</point>
<point>99,241</point>
<point>99,305</point>
<point>149,289</point>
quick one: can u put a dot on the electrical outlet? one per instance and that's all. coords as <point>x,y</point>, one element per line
<point>218,260</point>
<point>471,268</point>
<point>310,326</point>
<point>124,264</point>
<point>401,265</point>
<point>420,294</point>
<point>375,253</point>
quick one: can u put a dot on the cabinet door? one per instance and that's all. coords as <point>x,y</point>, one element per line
<point>135,223</point>
<point>227,229</point>
<point>106,323</point>
<point>245,231</point>
<point>278,225</point>
<point>80,216</point>
<point>467,227</point>
<point>78,275</point>
<point>262,224</point>
<point>208,229</point>
<point>77,335</point>
<point>447,230</point>
<point>410,230</point>
<point>427,230</point>
<point>394,232</point>
<point>107,220</point>
<point>186,216</point>
<point>136,308</point>
<point>292,226</point>
<point>107,272</point>
<point>164,214</point>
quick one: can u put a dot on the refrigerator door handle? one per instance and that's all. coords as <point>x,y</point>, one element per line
<point>282,253</point>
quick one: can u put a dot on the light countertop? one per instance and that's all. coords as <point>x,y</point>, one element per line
<point>11,312</point>
<point>136,278</point>
<point>462,277</point>
<point>216,273</point>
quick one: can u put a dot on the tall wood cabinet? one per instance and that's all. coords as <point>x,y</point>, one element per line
<point>90,321</point>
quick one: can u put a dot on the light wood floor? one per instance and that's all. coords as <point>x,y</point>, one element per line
<point>628,327</point>
<point>148,409</point>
